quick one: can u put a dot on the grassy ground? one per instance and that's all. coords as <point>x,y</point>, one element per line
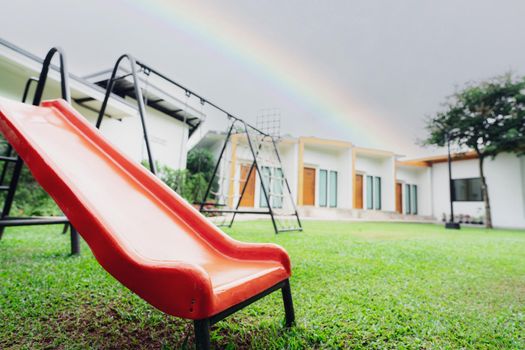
<point>355,285</point>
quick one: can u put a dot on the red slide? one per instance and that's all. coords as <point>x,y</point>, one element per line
<point>139,230</point>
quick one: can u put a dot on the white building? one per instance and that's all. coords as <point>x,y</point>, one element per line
<point>327,178</point>
<point>505,177</point>
<point>169,123</point>
<point>336,179</point>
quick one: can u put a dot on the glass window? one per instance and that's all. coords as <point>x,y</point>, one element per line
<point>413,201</point>
<point>377,193</point>
<point>467,190</point>
<point>266,180</point>
<point>407,199</point>
<point>277,182</point>
<point>369,192</point>
<point>323,188</point>
<point>333,189</point>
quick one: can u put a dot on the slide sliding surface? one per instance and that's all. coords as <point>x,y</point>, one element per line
<point>139,230</point>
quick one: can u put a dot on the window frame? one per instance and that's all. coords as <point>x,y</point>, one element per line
<point>323,202</point>
<point>332,202</point>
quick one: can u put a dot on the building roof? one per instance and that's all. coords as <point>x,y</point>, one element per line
<point>156,96</point>
<point>428,161</point>
<point>91,94</point>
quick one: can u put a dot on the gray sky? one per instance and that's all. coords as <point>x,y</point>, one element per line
<point>362,71</point>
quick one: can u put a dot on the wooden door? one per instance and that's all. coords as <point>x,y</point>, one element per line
<point>248,199</point>
<point>358,194</point>
<point>399,198</point>
<point>309,186</point>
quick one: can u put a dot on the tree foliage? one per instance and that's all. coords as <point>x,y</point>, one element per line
<point>191,183</point>
<point>487,117</point>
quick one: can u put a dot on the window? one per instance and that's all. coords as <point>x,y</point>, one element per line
<point>407,199</point>
<point>377,193</point>
<point>273,179</point>
<point>413,199</point>
<point>323,188</point>
<point>369,192</point>
<point>333,189</point>
<point>467,190</point>
<point>265,171</point>
<point>327,188</point>
<point>410,199</point>
<point>277,188</point>
<point>373,192</point>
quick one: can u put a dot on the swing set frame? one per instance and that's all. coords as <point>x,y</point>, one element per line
<point>203,205</point>
<point>136,67</point>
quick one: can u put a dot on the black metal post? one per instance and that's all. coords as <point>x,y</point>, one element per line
<point>288,304</point>
<point>287,185</point>
<point>138,97</point>
<point>8,151</point>
<point>75,241</point>
<point>202,334</point>
<point>261,177</point>
<point>11,192</point>
<point>64,78</point>
<point>246,185</point>
<point>29,82</point>
<point>451,224</point>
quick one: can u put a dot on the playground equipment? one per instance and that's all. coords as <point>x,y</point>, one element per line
<point>10,158</point>
<point>257,148</point>
<point>140,231</point>
<point>254,152</point>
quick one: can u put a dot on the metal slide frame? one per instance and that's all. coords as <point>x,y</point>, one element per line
<point>138,96</point>
<point>202,327</point>
<point>5,219</point>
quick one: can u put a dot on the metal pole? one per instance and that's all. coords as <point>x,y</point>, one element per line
<point>287,185</point>
<point>11,193</point>
<point>140,102</point>
<point>261,177</point>
<point>245,186</point>
<point>451,224</point>
<point>75,241</point>
<point>64,83</point>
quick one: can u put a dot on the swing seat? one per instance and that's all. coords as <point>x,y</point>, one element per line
<point>139,230</point>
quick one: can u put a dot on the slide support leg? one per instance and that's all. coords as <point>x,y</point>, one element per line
<point>75,242</point>
<point>202,334</point>
<point>288,304</point>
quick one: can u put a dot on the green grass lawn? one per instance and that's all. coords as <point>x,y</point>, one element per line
<point>355,285</point>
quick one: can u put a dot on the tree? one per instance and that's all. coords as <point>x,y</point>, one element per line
<point>200,160</point>
<point>487,117</point>
<point>190,183</point>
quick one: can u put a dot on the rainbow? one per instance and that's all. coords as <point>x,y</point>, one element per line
<point>300,83</point>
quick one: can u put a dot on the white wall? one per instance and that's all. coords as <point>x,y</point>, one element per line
<point>384,167</point>
<point>506,187</point>
<point>420,176</point>
<point>326,158</point>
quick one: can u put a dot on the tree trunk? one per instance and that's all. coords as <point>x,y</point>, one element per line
<point>485,193</point>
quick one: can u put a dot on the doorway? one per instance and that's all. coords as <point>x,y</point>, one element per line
<point>308,186</point>
<point>358,193</point>
<point>248,199</point>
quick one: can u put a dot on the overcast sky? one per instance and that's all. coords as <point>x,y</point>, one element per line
<point>362,71</point>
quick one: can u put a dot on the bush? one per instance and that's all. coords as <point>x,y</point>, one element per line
<point>190,183</point>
